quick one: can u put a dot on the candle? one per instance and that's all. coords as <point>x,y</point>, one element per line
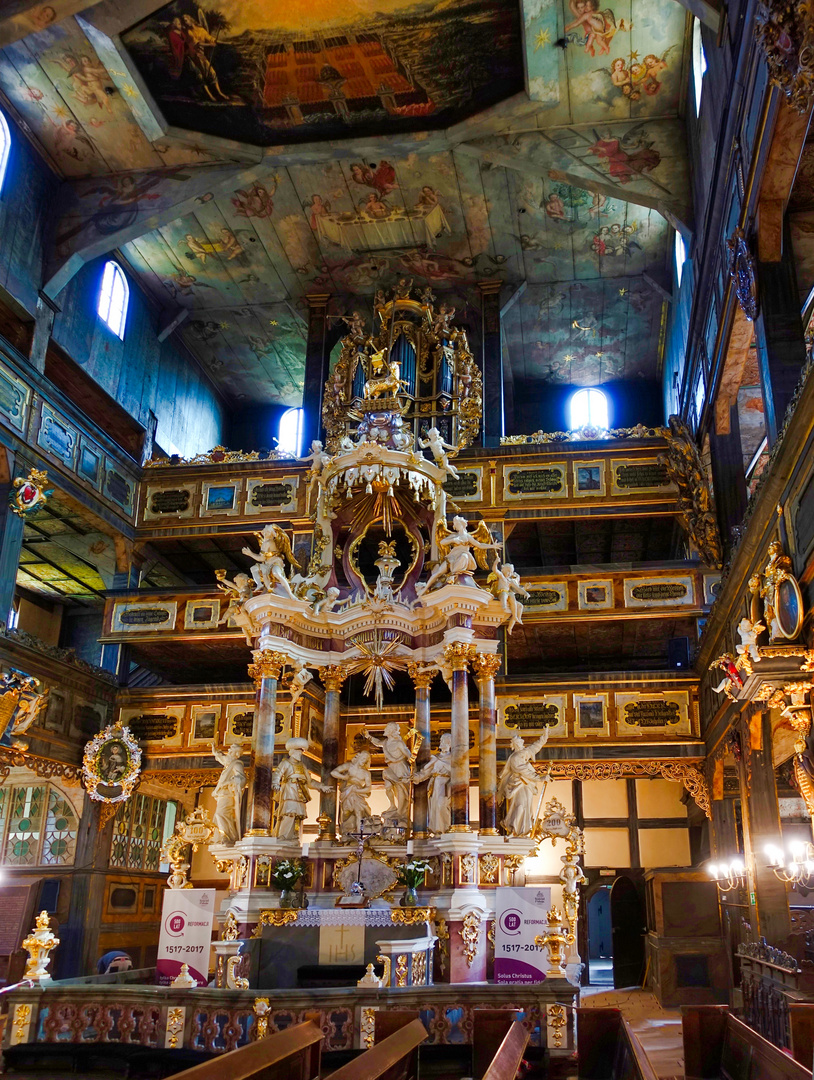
<point>409,847</point>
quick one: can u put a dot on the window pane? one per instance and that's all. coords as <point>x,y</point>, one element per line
<point>60,830</point>
<point>113,297</point>
<point>5,146</point>
<point>25,821</point>
<point>290,437</point>
<point>589,408</point>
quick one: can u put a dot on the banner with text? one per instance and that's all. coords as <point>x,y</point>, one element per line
<point>520,915</point>
<point>186,934</point>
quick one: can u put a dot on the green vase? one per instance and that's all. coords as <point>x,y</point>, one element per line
<point>409,898</point>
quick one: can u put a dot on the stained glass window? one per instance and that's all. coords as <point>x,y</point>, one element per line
<point>138,832</point>
<point>38,826</point>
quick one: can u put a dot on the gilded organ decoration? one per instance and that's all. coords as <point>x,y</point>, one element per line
<point>417,365</point>
<point>22,700</point>
<point>683,465</point>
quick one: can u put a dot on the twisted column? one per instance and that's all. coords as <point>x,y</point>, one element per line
<point>485,667</point>
<point>332,678</point>
<point>422,680</point>
<point>265,671</point>
<point>458,655</point>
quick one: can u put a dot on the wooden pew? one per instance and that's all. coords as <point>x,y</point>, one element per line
<point>801,1022</point>
<point>507,1060</point>
<point>293,1054</point>
<point>608,1048</point>
<point>718,1046</point>
<point>395,1058</point>
<point>490,1029</point>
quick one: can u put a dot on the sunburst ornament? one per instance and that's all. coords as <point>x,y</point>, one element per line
<point>376,662</point>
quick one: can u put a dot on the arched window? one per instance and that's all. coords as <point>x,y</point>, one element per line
<point>699,63</point>
<point>681,256</point>
<point>5,147</point>
<point>289,438</point>
<point>113,298</point>
<point>38,826</point>
<point>589,408</point>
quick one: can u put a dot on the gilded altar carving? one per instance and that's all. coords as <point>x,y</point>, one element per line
<point>486,665</point>
<point>683,465</point>
<point>784,30</point>
<point>22,700</point>
<point>458,655</point>
<point>45,768</point>
<point>470,934</point>
<point>412,916</point>
<point>39,944</point>
<point>268,664</point>
<point>401,969</point>
<point>175,1026</point>
<point>442,932</point>
<point>489,869</point>
<point>274,917</point>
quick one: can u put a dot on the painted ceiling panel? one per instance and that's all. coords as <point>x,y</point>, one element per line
<point>311,69</point>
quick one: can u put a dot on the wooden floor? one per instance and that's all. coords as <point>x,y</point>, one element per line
<point>658,1029</point>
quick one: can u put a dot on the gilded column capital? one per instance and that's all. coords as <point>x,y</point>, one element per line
<point>422,676</point>
<point>458,655</point>
<point>267,665</point>
<point>486,665</point>
<point>333,677</point>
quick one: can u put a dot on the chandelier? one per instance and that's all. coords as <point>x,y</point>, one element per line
<point>796,868</point>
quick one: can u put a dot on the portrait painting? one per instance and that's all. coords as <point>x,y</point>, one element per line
<point>595,594</point>
<point>113,761</point>
<point>789,608</point>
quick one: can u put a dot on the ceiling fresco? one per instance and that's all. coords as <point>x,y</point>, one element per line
<point>316,69</point>
<point>573,192</point>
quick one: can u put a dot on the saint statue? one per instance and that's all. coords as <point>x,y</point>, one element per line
<point>438,771</point>
<point>397,774</point>
<point>354,790</point>
<point>228,793</point>
<point>520,784</point>
<point>459,561</point>
<point>269,571</point>
<point>292,784</point>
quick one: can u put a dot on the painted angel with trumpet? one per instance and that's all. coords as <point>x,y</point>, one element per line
<point>465,552</point>
<point>269,573</point>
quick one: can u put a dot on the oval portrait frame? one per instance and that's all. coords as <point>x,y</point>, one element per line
<point>788,607</point>
<point>111,764</point>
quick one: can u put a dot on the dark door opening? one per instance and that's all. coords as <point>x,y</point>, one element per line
<point>627,931</point>
<point>600,939</point>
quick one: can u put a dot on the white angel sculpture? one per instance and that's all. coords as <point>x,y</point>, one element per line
<point>438,771</point>
<point>465,552</point>
<point>504,581</point>
<point>239,591</point>
<point>275,549</point>
<point>435,443</point>
<point>520,784</point>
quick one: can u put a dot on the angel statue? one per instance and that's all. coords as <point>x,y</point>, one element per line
<point>519,785</point>
<point>439,448</point>
<point>438,771</point>
<point>319,459</point>
<point>504,581</point>
<point>465,553</point>
<point>269,571</point>
<point>397,773</point>
<point>239,591</point>
<point>298,682</point>
<point>354,790</point>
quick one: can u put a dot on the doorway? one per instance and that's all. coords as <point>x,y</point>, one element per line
<point>627,933</point>
<point>600,939</point>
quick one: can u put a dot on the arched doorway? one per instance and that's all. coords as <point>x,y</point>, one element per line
<point>627,932</point>
<point>600,941</point>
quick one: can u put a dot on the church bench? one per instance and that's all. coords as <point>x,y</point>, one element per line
<point>292,1054</point>
<point>718,1046</point>
<point>395,1058</point>
<point>506,1062</point>
<point>607,1047</point>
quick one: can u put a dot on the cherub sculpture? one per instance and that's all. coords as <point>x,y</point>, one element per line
<point>504,581</point>
<point>748,633</point>
<point>435,443</point>
<point>299,681</point>
<point>465,554</point>
<point>441,322</point>
<point>275,550</point>
<point>356,326</point>
<point>326,602</point>
<point>239,591</point>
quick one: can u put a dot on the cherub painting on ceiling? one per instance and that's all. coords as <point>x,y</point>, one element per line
<point>256,201</point>
<point>90,83</point>
<point>641,77</point>
<point>592,28</point>
<point>631,156</point>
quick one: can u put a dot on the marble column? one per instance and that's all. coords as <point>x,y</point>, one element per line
<point>332,679</point>
<point>492,363</point>
<point>317,361</point>
<point>458,656</point>
<point>422,679</point>
<point>485,667</point>
<point>266,674</point>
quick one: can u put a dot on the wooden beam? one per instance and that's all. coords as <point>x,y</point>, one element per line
<point>518,292</point>
<point>173,322</point>
<point>704,11</point>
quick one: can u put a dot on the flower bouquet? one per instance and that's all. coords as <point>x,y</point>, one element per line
<point>284,876</point>
<point>411,875</point>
